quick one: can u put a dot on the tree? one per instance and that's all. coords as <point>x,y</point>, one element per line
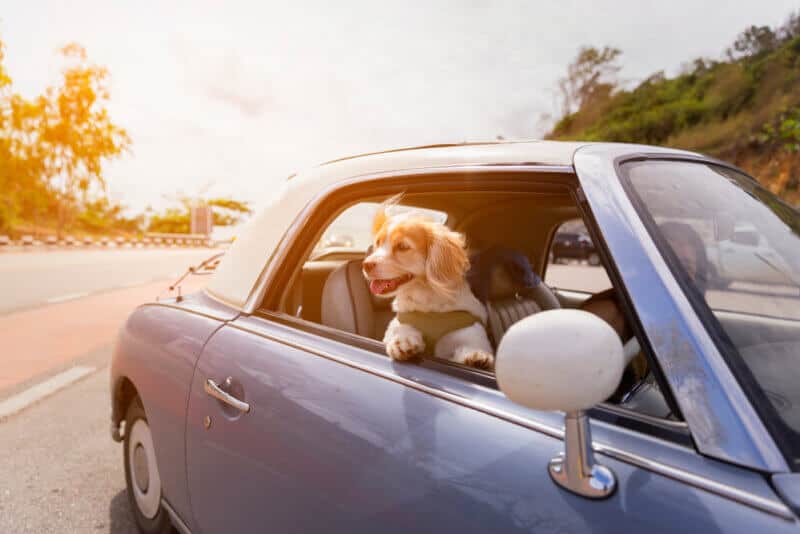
<point>225,212</point>
<point>75,134</point>
<point>53,147</point>
<point>591,74</point>
<point>753,41</point>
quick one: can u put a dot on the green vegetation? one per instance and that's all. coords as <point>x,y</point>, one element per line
<point>744,108</point>
<point>53,149</point>
<point>225,212</point>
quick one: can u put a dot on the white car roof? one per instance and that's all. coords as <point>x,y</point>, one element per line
<point>243,263</point>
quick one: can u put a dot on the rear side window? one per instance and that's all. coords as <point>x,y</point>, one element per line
<point>573,262</point>
<point>351,228</point>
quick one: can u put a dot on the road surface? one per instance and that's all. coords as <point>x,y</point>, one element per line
<point>29,279</point>
<point>60,312</point>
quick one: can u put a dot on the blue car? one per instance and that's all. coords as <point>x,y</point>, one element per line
<point>664,403</point>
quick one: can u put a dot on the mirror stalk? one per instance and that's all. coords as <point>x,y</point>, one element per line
<point>575,470</point>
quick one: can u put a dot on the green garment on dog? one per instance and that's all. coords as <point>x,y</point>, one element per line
<point>435,325</point>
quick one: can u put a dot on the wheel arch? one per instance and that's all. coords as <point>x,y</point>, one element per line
<point>123,393</point>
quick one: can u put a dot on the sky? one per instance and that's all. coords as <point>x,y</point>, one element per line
<point>229,98</point>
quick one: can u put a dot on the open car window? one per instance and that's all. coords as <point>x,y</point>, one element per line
<point>351,228</point>
<point>573,261</point>
<point>328,287</point>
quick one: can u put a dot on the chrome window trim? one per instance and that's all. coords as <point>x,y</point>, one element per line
<point>722,421</point>
<point>268,273</point>
<point>739,495</point>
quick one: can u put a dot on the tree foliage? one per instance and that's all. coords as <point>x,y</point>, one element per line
<point>743,108</point>
<point>53,147</point>
<point>591,75</point>
<point>225,212</point>
<point>762,73</point>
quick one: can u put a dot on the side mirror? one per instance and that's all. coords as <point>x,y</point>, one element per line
<point>566,360</point>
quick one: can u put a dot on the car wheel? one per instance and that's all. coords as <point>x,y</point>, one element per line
<point>593,259</point>
<point>142,478</point>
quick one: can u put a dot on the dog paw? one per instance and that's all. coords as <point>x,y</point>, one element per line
<point>479,359</point>
<point>405,346</point>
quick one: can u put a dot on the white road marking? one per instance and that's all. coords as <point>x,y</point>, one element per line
<point>69,296</point>
<point>41,390</point>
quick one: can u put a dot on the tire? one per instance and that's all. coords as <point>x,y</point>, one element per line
<point>142,478</point>
<point>593,259</point>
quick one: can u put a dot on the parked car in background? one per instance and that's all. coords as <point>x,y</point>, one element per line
<point>267,401</point>
<point>574,246</point>
<point>4,241</point>
<point>26,240</point>
<point>746,256</point>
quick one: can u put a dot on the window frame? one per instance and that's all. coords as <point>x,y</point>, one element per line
<point>321,211</point>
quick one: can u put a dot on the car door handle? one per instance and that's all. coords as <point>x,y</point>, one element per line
<point>220,394</point>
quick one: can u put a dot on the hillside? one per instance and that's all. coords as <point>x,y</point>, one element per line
<point>744,109</point>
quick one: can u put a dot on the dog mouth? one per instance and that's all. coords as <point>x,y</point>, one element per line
<point>381,286</point>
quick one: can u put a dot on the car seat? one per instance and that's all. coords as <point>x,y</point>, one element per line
<point>348,305</point>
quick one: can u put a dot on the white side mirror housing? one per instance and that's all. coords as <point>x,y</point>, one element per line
<point>559,360</point>
<point>566,360</point>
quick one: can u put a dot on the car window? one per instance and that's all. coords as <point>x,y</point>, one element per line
<point>329,289</point>
<point>573,262</point>
<point>349,230</point>
<point>736,249</point>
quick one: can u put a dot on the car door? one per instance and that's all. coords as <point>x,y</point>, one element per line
<point>339,438</point>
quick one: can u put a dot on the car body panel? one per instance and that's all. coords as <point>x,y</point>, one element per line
<point>156,351</point>
<point>329,446</point>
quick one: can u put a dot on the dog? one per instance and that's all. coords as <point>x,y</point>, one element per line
<point>422,264</point>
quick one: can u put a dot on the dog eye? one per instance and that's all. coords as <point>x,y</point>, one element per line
<point>400,247</point>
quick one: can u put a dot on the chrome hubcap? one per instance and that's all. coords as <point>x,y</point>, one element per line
<point>140,474</point>
<point>146,486</point>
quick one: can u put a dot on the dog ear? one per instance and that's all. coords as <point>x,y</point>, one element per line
<point>383,212</point>
<point>447,261</point>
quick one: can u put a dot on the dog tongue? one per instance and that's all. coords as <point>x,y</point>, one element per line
<point>379,287</point>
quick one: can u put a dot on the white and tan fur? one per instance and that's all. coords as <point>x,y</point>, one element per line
<point>428,262</point>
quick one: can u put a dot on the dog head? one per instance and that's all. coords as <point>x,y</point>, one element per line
<point>411,248</point>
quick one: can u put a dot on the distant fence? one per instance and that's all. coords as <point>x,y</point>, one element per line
<point>149,239</point>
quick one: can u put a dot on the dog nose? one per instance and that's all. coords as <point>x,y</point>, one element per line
<point>368,266</point>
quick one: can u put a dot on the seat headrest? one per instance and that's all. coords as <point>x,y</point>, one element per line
<point>501,285</point>
<point>499,272</point>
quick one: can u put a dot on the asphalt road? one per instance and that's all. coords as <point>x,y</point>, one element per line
<point>59,469</point>
<point>29,279</point>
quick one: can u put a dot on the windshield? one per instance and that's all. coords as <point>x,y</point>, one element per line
<point>736,249</point>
